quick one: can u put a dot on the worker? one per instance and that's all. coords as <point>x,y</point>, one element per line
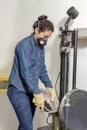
<point>28,67</point>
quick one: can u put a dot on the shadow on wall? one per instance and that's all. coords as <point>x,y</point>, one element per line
<point>5,70</point>
<point>82,44</point>
<point>55,58</point>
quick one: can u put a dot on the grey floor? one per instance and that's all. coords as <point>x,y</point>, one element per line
<point>8,120</point>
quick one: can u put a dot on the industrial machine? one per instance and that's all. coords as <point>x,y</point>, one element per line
<point>73,109</point>
<point>69,39</point>
<point>71,114</point>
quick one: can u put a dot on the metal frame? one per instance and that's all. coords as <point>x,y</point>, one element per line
<point>69,39</point>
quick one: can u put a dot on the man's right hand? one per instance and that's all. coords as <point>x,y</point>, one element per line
<point>38,100</point>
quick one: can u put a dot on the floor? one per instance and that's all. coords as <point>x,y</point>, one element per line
<point>8,120</point>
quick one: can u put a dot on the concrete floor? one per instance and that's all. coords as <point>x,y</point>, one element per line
<point>8,120</point>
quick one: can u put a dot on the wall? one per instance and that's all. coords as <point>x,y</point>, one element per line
<point>16,20</point>
<point>82,65</point>
<point>17,17</point>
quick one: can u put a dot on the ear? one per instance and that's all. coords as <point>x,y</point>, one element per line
<point>36,30</point>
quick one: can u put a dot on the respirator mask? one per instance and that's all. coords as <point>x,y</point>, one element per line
<point>42,41</point>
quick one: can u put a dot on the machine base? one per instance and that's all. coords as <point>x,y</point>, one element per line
<point>45,128</point>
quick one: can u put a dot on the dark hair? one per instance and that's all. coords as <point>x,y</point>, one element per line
<point>43,24</point>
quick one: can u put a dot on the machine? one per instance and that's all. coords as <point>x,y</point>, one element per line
<point>71,114</point>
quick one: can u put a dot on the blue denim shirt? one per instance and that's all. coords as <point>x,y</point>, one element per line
<point>28,66</point>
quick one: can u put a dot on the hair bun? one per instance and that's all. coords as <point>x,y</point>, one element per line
<point>42,18</point>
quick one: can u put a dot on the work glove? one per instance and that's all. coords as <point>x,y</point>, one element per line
<point>38,100</point>
<point>52,92</point>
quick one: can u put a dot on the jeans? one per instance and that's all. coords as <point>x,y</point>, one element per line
<point>23,106</point>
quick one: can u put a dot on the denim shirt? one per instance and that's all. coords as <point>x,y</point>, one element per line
<point>28,66</point>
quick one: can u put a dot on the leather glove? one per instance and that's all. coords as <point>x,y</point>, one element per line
<point>52,93</point>
<point>38,100</point>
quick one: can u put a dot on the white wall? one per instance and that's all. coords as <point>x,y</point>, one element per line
<point>16,20</point>
<point>82,65</point>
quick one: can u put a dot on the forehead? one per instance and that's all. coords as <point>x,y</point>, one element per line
<point>47,33</point>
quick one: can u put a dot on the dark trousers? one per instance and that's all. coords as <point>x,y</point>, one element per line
<point>23,106</point>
